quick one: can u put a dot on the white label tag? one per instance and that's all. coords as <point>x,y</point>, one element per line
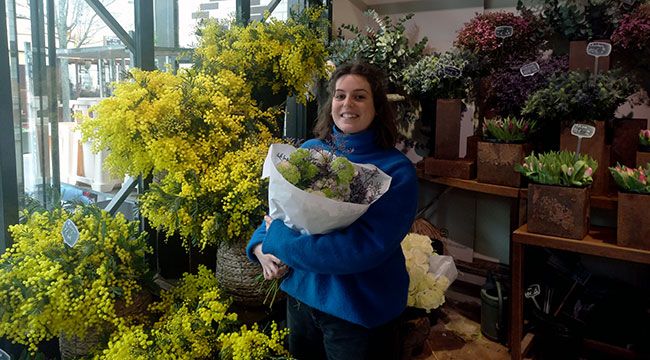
<point>599,49</point>
<point>70,233</point>
<point>452,71</point>
<point>503,31</point>
<point>583,130</point>
<point>529,69</point>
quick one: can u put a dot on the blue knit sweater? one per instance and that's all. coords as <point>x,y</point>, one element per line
<point>357,273</point>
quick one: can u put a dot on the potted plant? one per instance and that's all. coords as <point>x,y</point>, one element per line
<point>581,97</point>
<point>633,224</point>
<point>479,36</point>
<point>78,285</point>
<point>382,43</point>
<point>643,153</point>
<point>578,22</point>
<point>445,78</point>
<point>504,145</point>
<point>558,193</point>
<point>631,42</point>
<point>203,134</point>
<point>193,321</point>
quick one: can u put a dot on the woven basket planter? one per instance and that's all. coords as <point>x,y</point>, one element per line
<point>237,275</point>
<point>73,347</point>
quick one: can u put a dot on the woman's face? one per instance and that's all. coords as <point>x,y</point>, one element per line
<point>353,108</point>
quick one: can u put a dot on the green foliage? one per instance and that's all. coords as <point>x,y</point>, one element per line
<point>561,168</point>
<point>631,180</point>
<point>579,96</point>
<point>384,45</point>
<point>427,78</point>
<point>578,19</point>
<point>508,129</point>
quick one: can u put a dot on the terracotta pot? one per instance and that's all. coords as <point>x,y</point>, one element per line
<point>448,116</point>
<point>580,60</point>
<point>633,223</point>
<point>496,163</point>
<point>558,211</point>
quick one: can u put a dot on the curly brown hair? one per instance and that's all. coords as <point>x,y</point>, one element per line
<point>384,121</point>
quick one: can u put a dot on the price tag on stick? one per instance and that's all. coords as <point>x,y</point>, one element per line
<point>598,49</point>
<point>70,233</point>
<point>529,69</point>
<point>503,32</point>
<point>452,71</point>
<point>582,131</point>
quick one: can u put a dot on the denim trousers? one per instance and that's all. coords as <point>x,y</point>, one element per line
<point>315,335</point>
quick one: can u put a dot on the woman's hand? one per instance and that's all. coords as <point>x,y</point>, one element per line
<point>272,267</point>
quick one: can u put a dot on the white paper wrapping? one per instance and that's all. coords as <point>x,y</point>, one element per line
<point>443,265</point>
<point>307,212</point>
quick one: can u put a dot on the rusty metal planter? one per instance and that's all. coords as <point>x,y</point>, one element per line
<point>558,211</point>
<point>448,117</point>
<point>580,60</point>
<point>633,223</point>
<point>642,158</point>
<point>496,163</point>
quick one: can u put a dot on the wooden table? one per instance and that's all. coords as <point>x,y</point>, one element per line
<point>599,242</point>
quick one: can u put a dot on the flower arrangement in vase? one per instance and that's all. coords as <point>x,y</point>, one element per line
<point>633,226</point>
<point>50,287</point>
<point>193,322</point>
<point>558,192</point>
<point>479,37</point>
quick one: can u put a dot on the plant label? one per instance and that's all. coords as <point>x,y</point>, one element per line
<point>629,2</point>
<point>503,31</point>
<point>599,48</point>
<point>531,293</point>
<point>452,71</point>
<point>583,130</point>
<point>529,69</point>
<point>4,355</point>
<point>70,233</point>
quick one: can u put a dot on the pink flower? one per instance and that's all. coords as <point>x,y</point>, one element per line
<point>589,171</point>
<point>642,178</point>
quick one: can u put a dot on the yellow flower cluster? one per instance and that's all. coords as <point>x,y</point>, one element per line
<point>253,344</point>
<point>48,288</point>
<point>203,138</point>
<point>426,291</point>
<point>287,57</point>
<point>193,325</point>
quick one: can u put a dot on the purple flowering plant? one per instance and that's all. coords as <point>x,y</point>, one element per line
<point>508,90</point>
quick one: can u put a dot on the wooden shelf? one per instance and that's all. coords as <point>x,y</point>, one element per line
<point>599,242</point>
<point>472,185</point>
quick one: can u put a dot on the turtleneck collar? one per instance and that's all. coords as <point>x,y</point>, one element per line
<point>359,143</point>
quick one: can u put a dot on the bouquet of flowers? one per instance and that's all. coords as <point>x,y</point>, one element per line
<point>631,180</point>
<point>315,191</point>
<point>430,274</point>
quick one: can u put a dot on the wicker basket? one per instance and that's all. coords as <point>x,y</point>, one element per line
<point>73,347</point>
<point>237,275</point>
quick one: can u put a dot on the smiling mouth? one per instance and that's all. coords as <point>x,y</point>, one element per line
<point>349,116</point>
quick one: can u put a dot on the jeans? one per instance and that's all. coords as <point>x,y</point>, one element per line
<point>315,335</point>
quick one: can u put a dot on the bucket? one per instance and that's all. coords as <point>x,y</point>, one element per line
<point>493,321</point>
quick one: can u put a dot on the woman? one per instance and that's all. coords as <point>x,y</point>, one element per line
<point>347,288</point>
